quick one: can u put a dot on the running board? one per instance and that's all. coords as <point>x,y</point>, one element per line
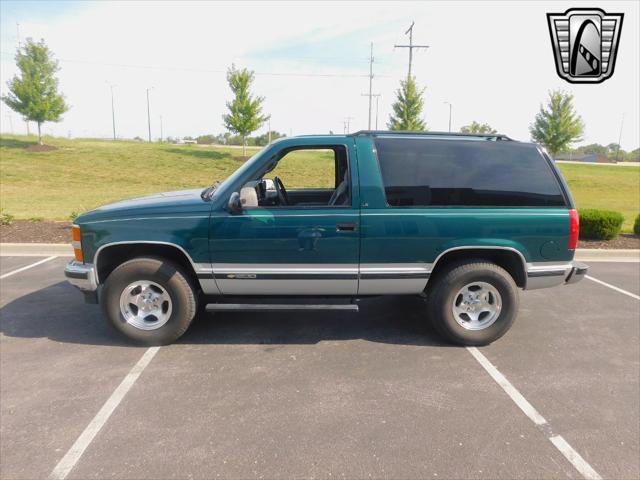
<point>239,307</point>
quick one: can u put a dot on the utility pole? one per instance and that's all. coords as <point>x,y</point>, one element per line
<point>619,137</point>
<point>370,83</point>
<point>149,114</point>
<point>269,134</point>
<point>450,106</point>
<point>371,95</point>
<point>347,123</point>
<point>161,130</point>
<point>10,122</point>
<point>411,46</point>
<point>113,112</point>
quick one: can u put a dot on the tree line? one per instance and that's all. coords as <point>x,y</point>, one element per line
<point>33,93</point>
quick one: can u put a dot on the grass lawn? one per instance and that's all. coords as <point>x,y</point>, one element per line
<point>83,174</point>
<point>606,188</point>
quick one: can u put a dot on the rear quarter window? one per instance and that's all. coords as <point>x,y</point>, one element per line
<point>424,172</point>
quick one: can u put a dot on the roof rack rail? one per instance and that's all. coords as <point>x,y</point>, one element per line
<point>488,136</point>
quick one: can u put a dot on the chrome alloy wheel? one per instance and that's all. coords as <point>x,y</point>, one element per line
<point>145,305</point>
<point>477,305</point>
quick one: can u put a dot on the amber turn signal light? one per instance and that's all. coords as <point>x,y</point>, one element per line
<point>76,243</point>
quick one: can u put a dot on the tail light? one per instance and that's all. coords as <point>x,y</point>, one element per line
<point>574,229</point>
<point>77,243</point>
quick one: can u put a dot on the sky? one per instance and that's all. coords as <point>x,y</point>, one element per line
<point>491,60</point>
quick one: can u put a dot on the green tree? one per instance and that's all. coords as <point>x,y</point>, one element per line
<point>407,108</point>
<point>245,111</point>
<point>476,127</point>
<point>557,126</point>
<point>34,92</point>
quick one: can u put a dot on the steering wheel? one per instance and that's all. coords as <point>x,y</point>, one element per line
<point>283,198</point>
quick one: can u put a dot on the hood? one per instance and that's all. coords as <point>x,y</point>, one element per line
<point>178,202</point>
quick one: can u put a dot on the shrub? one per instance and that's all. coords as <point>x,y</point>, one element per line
<point>636,225</point>
<point>5,218</point>
<point>600,224</point>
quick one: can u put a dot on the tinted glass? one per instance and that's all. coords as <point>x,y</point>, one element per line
<point>422,172</point>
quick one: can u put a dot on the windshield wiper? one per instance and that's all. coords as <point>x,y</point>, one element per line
<point>208,192</point>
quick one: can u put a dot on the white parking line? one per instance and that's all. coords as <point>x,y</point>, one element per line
<point>579,463</point>
<point>613,287</point>
<point>70,459</point>
<point>39,262</point>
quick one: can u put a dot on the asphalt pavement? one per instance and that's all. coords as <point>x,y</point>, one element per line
<point>375,394</point>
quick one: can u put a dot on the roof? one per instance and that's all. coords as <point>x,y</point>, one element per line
<point>384,133</point>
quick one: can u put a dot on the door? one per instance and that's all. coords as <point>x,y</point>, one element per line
<point>307,245</point>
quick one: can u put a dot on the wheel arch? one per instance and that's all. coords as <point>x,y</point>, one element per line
<point>509,258</point>
<point>110,255</point>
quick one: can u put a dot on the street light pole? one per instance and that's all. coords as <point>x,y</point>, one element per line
<point>149,115</point>
<point>113,111</point>
<point>449,115</point>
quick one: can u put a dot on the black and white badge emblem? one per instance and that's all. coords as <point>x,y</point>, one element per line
<point>585,43</point>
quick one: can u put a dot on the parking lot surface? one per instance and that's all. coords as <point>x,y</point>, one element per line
<point>322,395</point>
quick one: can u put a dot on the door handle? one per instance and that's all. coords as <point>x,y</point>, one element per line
<point>346,227</point>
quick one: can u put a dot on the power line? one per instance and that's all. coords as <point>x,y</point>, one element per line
<point>206,70</point>
<point>411,46</point>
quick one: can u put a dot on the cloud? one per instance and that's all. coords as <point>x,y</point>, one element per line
<point>492,61</point>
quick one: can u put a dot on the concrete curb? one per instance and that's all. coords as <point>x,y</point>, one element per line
<point>65,250</point>
<point>35,249</point>
<point>604,255</point>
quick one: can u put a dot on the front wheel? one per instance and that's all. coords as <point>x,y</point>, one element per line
<point>149,300</point>
<point>473,302</point>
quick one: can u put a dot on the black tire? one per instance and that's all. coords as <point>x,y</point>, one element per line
<point>442,293</point>
<point>164,273</point>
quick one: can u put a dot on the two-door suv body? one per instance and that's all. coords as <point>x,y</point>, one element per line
<point>463,220</point>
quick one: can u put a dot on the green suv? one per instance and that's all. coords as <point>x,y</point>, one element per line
<point>463,220</point>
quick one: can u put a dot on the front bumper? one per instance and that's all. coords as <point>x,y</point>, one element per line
<point>546,276</point>
<point>83,276</point>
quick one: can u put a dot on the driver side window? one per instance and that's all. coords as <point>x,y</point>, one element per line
<point>306,169</point>
<point>304,177</point>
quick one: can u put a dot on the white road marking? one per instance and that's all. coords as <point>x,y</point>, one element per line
<point>574,457</point>
<point>560,443</point>
<point>613,287</point>
<point>39,262</point>
<point>501,380</point>
<point>70,459</point>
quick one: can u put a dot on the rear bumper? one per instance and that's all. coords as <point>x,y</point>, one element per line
<point>548,275</point>
<point>578,272</point>
<point>83,277</point>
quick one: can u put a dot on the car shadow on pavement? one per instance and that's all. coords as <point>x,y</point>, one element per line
<point>59,313</point>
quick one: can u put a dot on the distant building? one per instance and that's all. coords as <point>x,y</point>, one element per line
<point>587,158</point>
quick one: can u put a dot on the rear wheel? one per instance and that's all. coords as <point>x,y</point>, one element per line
<point>149,300</point>
<point>473,302</point>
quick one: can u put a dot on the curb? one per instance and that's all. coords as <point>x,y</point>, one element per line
<point>65,250</point>
<point>36,249</point>
<point>604,255</point>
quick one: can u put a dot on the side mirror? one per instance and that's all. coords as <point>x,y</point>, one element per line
<point>235,204</point>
